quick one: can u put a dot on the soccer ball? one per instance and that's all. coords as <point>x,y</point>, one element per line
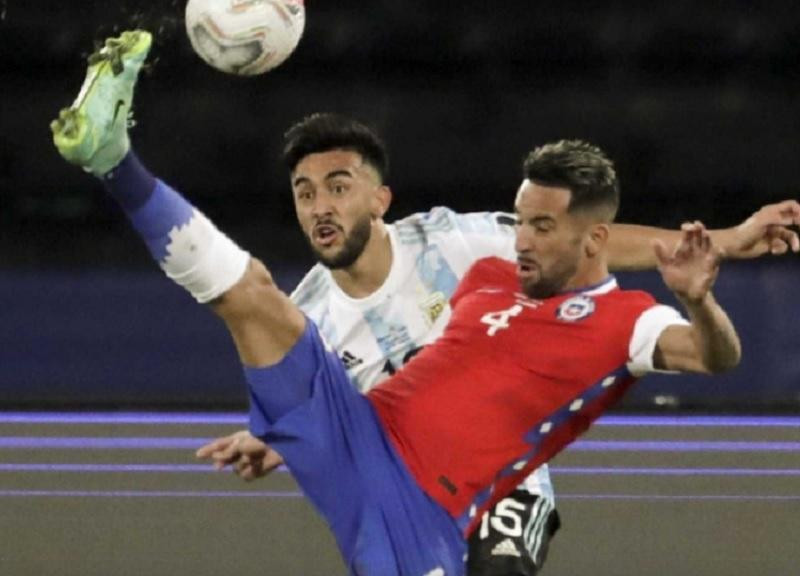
<point>245,37</point>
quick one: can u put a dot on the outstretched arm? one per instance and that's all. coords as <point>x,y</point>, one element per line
<point>710,343</point>
<point>767,231</point>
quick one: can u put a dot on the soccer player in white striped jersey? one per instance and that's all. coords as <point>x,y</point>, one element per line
<point>380,292</point>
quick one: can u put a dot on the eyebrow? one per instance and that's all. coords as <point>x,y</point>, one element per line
<point>330,175</point>
<point>534,219</point>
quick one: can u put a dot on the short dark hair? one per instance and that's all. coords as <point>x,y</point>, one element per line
<point>323,132</point>
<point>580,167</point>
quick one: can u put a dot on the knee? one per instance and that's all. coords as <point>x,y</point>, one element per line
<point>256,290</point>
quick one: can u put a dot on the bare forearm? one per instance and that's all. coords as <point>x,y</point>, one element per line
<point>630,246</point>
<point>713,334</point>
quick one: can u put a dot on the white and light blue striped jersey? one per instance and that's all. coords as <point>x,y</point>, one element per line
<point>376,335</point>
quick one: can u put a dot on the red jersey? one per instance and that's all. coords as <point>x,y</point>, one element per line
<point>508,385</point>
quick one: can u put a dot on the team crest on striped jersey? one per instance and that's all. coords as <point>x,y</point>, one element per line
<point>575,308</point>
<point>433,305</point>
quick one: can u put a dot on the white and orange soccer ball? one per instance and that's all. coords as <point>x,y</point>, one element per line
<point>245,37</point>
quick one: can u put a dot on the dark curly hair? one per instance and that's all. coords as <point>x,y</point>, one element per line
<point>583,169</point>
<point>322,132</point>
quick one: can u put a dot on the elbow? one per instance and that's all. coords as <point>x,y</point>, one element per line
<point>726,362</point>
<point>719,367</point>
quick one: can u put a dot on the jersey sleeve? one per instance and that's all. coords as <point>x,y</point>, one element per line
<point>646,332</point>
<point>487,234</point>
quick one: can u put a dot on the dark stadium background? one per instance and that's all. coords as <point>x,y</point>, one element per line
<point>696,101</point>
<point>109,374</point>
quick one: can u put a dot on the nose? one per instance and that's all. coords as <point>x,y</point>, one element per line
<point>322,206</point>
<point>523,241</point>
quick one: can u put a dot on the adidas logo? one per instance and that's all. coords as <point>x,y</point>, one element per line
<point>350,361</point>
<point>506,548</point>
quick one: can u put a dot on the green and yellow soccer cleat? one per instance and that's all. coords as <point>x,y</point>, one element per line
<point>93,132</point>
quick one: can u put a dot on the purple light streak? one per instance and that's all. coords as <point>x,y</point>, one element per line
<point>123,468</point>
<point>122,494</point>
<point>99,443</point>
<point>240,419</point>
<point>556,471</point>
<point>701,421</point>
<point>143,418</point>
<point>733,472</point>
<point>684,497</point>
<point>144,494</point>
<point>681,446</point>
<point>182,443</point>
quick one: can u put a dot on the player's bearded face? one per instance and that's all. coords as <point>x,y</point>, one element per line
<point>352,245</point>
<point>333,193</point>
<point>547,243</point>
<point>544,279</point>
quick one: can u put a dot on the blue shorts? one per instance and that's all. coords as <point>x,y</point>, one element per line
<point>335,447</point>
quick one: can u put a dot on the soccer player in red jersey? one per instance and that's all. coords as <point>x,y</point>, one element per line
<point>533,353</point>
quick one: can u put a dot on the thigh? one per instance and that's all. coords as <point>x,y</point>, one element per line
<point>307,410</point>
<point>513,537</point>
<point>335,447</point>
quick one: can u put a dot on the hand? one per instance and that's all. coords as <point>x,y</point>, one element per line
<point>691,269</point>
<point>766,231</point>
<point>248,456</point>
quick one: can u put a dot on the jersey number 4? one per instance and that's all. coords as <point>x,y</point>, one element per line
<point>500,320</point>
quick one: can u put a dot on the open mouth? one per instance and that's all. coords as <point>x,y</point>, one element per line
<point>325,234</point>
<point>526,268</point>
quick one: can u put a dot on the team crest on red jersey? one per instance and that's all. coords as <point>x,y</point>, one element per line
<point>575,308</point>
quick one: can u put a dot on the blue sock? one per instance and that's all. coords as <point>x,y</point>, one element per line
<point>130,183</point>
<point>153,208</point>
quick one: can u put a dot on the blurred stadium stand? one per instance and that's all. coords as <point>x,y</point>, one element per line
<point>696,101</point>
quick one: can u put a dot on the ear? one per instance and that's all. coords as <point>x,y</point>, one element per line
<point>381,200</point>
<point>596,239</point>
